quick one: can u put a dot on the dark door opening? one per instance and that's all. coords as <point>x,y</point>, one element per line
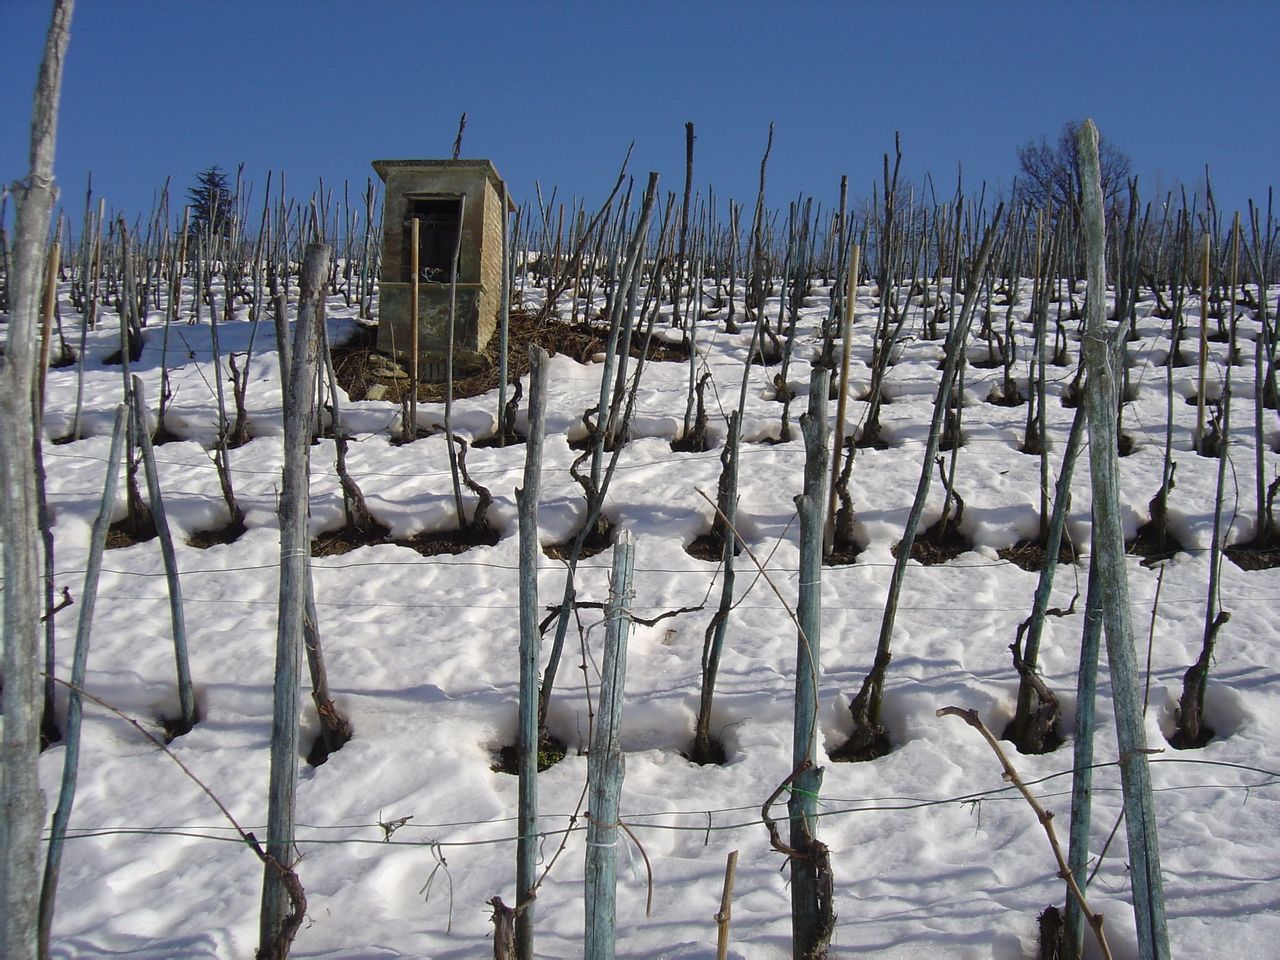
<point>439,220</point>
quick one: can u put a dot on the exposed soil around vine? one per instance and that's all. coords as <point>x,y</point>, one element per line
<point>715,755</point>
<point>708,547</point>
<point>1148,545</point>
<point>219,536</point>
<point>1030,555</point>
<point>507,759</point>
<point>435,543</point>
<point>842,554</point>
<point>1253,556</point>
<point>121,534</point>
<point>592,545</point>
<point>358,366</point>
<point>337,542</point>
<point>513,439</point>
<point>935,545</point>
<point>164,435</point>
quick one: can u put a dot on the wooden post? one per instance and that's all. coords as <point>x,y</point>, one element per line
<point>448,364</point>
<point>47,307</point>
<point>1100,357</point>
<point>530,653</point>
<point>1204,345</point>
<point>838,227</point>
<point>1082,763</point>
<point>79,663</point>
<point>677,295</point>
<point>49,731</point>
<point>22,806</point>
<point>726,906</point>
<point>809,931</point>
<point>91,268</point>
<point>504,319</point>
<point>411,428</point>
<point>95,270</point>
<point>186,696</point>
<point>277,924</point>
<point>837,444</point>
<point>605,766</point>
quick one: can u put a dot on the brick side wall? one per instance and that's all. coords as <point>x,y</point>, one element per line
<point>491,264</point>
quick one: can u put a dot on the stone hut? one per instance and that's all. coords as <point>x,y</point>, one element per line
<point>445,196</point>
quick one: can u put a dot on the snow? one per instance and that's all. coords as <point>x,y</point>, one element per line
<point>932,853</point>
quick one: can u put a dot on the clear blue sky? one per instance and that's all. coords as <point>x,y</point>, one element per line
<point>555,92</point>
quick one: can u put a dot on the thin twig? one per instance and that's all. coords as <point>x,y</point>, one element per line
<point>1044,816</point>
<point>1151,640</point>
<point>775,838</point>
<point>648,868</point>
<point>292,884</point>
<point>553,611</point>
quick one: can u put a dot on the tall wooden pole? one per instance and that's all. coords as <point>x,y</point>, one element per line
<point>411,428</point>
<point>504,319</point>
<point>1204,345</point>
<point>1100,392</point>
<point>22,804</point>
<point>79,664</point>
<point>530,652</point>
<point>837,444</point>
<point>1082,761</point>
<point>605,765</point>
<point>810,931</point>
<point>186,693</point>
<point>276,923</point>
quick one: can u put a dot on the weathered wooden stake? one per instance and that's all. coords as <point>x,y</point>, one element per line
<point>1082,762</point>
<point>504,319</point>
<point>1100,394</point>
<point>726,906</point>
<point>48,305</point>
<point>411,428</point>
<point>810,890</point>
<point>22,804</point>
<point>79,662</point>
<point>450,332</point>
<point>530,653</point>
<point>837,445</point>
<point>1203,356</point>
<point>605,765</point>
<point>277,923</point>
<point>186,718</point>
<point>49,732</point>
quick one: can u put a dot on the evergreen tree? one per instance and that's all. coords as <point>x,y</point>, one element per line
<point>212,204</point>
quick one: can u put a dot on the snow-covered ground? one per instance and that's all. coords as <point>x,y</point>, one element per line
<point>933,854</point>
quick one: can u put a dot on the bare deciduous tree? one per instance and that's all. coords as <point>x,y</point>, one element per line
<point>1050,172</point>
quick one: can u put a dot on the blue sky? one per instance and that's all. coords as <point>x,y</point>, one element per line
<point>555,92</point>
